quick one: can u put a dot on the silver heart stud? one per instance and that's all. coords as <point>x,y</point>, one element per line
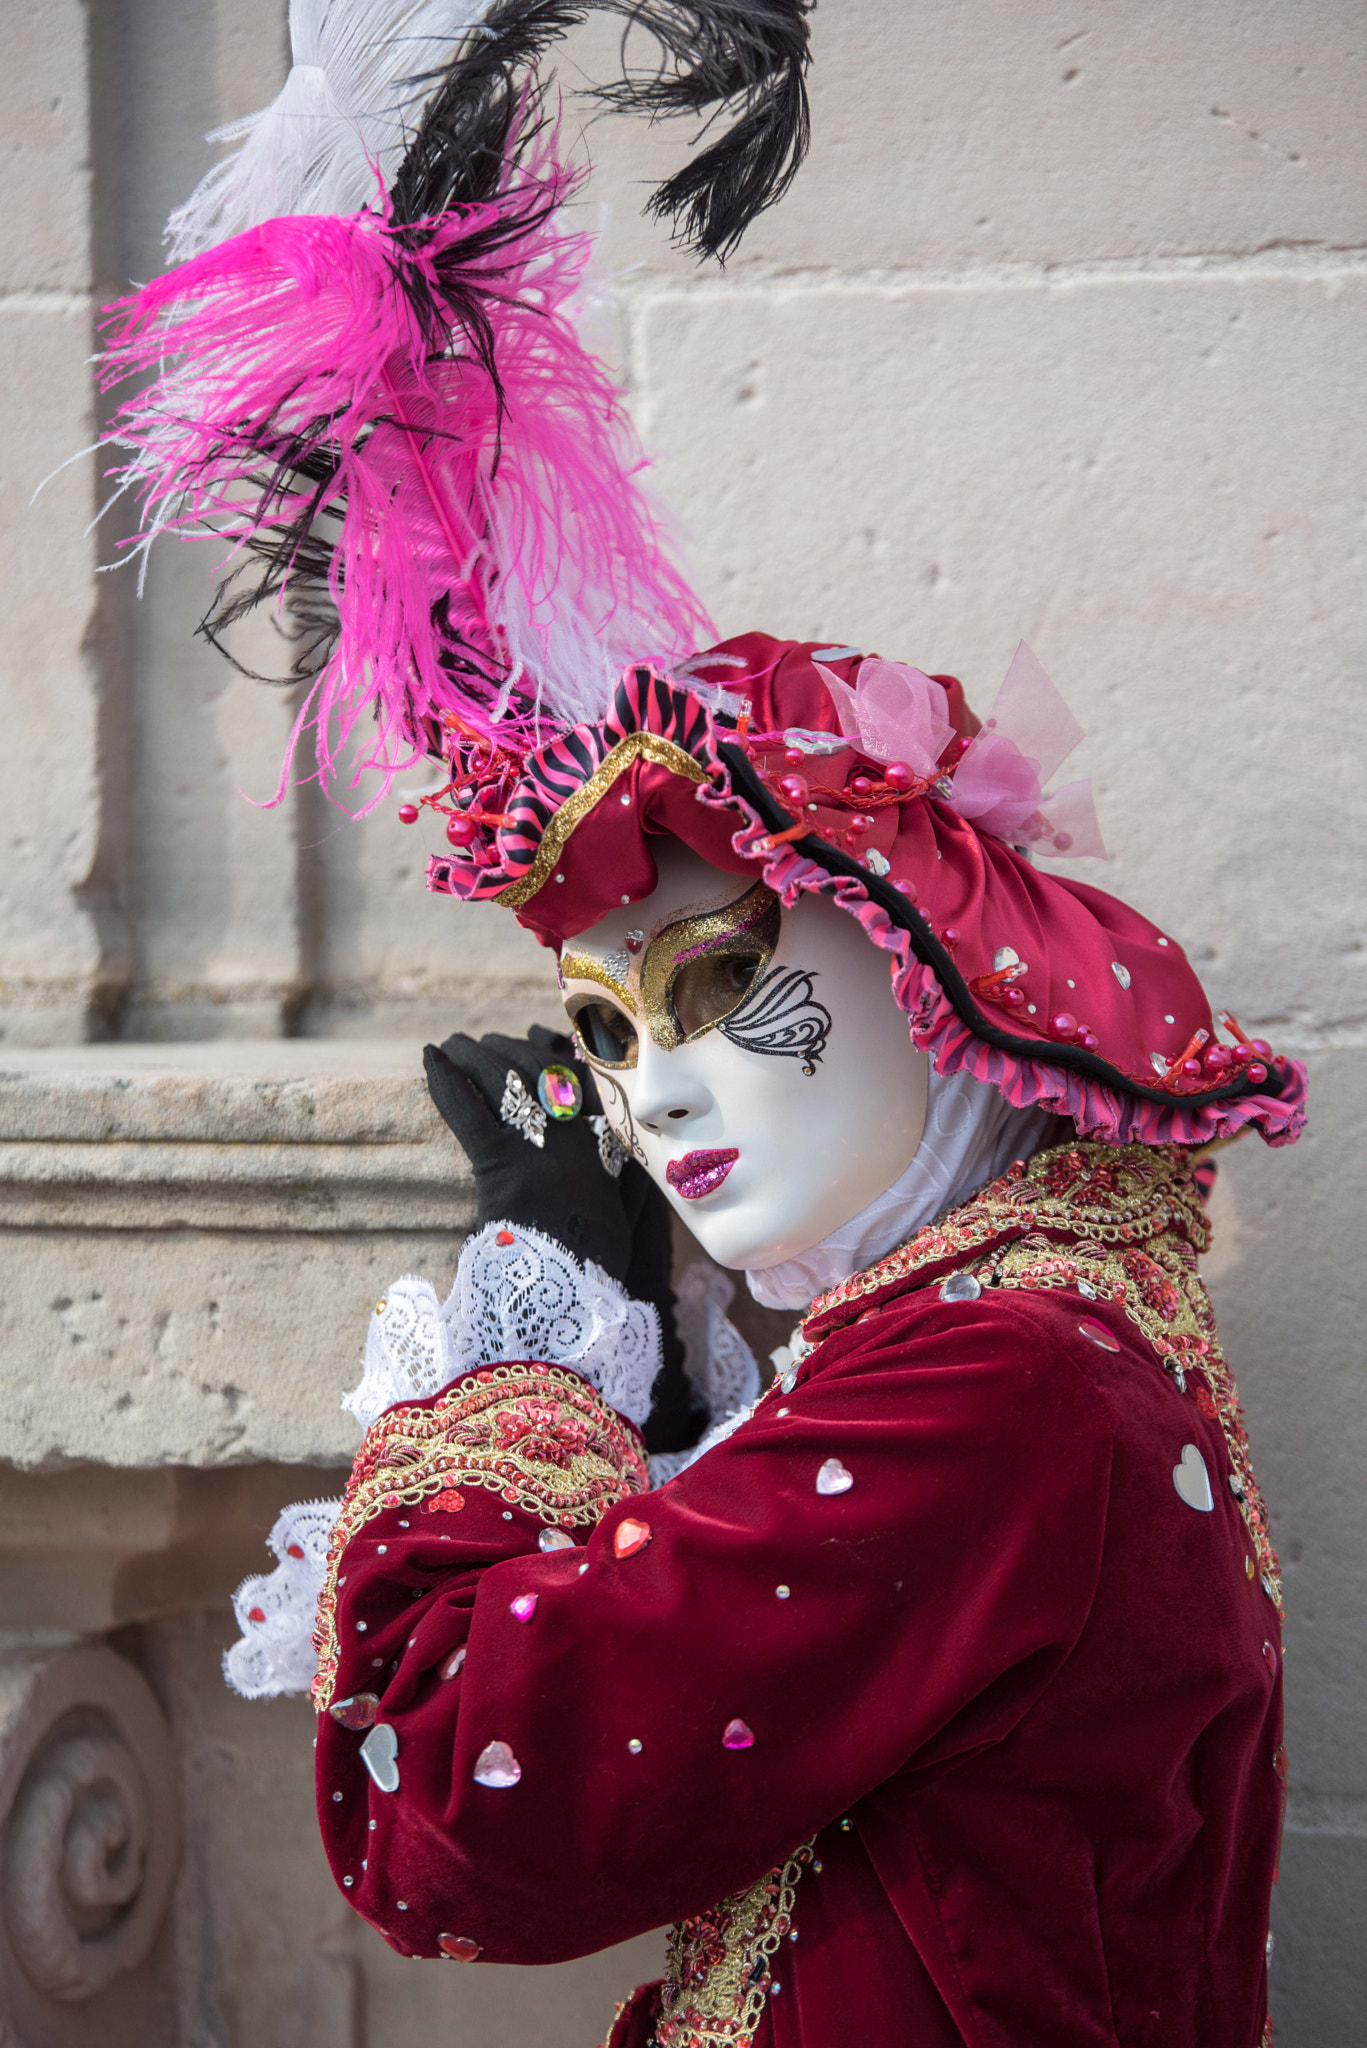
<point>1193,1481</point>
<point>378,1752</point>
<point>834,1477</point>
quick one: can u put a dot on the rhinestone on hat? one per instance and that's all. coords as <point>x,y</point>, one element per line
<point>960,1287</point>
<point>1122,974</point>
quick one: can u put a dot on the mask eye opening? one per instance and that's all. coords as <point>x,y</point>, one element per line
<point>705,991</point>
<point>605,1034</point>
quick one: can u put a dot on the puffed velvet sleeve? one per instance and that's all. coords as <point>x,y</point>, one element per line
<point>566,1746</point>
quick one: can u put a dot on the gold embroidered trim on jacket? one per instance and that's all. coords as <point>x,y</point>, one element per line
<point>539,1437</point>
<point>718,1971</point>
<point>578,805</point>
<point>1119,1224</point>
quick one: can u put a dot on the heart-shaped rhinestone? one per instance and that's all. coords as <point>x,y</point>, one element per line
<point>1193,1481</point>
<point>630,1536</point>
<point>555,1539</point>
<point>357,1712</point>
<point>378,1752</point>
<point>497,1767</point>
<point>834,1477</point>
<point>524,1607</point>
<point>736,1735</point>
<point>463,1948</point>
<point>1099,1334</point>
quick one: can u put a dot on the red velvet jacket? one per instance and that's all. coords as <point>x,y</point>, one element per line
<point>954,1672</point>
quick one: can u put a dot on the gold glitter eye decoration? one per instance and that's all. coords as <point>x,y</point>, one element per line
<point>698,970</point>
<point>606,1035</point>
<point>704,991</point>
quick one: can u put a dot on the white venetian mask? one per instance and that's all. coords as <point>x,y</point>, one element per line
<point>752,1058</point>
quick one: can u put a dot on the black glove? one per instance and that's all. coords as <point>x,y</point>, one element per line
<point>562,1188</point>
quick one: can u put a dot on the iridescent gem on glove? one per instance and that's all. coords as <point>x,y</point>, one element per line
<point>559,1093</point>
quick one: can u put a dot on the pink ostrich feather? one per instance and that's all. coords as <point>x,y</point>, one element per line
<point>406,419</point>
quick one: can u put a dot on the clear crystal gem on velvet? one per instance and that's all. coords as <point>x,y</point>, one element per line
<point>378,1753</point>
<point>834,1477</point>
<point>497,1767</point>
<point>960,1287</point>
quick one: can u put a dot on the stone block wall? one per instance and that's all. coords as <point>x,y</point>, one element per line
<point>1058,336</point>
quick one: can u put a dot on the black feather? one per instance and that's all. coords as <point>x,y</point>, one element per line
<point>750,55</point>
<point>458,153</point>
<point>747,56</point>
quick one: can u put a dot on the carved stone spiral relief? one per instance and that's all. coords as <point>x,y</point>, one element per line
<point>89,1841</point>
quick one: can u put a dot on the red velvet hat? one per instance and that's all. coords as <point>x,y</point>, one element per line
<point>774,759</point>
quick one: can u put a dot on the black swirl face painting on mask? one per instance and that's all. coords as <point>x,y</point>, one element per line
<point>782,1018</point>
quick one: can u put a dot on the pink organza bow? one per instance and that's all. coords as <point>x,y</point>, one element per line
<point>999,783</point>
<point>896,713</point>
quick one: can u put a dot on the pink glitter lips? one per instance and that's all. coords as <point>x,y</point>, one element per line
<point>697,1173</point>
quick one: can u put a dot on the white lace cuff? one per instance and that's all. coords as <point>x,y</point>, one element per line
<point>517,1295</point>
<point>275,1610</point>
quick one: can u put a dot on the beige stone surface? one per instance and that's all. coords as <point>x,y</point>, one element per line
<point>1121,472</point>
<point>1046,132</point>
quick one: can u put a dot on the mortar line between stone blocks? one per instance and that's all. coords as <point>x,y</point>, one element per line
<point>46,302</point>
<point>1309,266</point>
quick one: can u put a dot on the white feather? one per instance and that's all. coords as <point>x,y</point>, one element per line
<point>338,129</point>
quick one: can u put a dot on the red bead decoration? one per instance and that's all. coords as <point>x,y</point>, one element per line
<point>898,776</point>
<point>1191,1067</point>
<point>504,1237</point>
<point>630,1536</point>
<point>294,1550</point>
<point>461,831</point>
<point>1260,1048</point>
<point>1088,1040</point>
<point>1014,996</point>
<point>1215,1059</point>
<point>951,935</point>
<point>793,789</point>
<point>861,787</point>
<point>408,814</point>
<point>1241,1055</point>
<point>793,756</point>
<point>859,825</point>
<point>1063,1025</point>
<point>256,1614</point>
<point>1257,1072</point>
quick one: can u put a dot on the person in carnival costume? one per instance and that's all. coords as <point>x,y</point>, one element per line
<point>933,1693</point>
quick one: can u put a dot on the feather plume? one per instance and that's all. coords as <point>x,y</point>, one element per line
<point>748,55</point>
<point>401,424</point>
<point>335,135</point>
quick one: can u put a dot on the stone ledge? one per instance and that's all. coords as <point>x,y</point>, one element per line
<point>227,1136</point>
<point>194,1235</point>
